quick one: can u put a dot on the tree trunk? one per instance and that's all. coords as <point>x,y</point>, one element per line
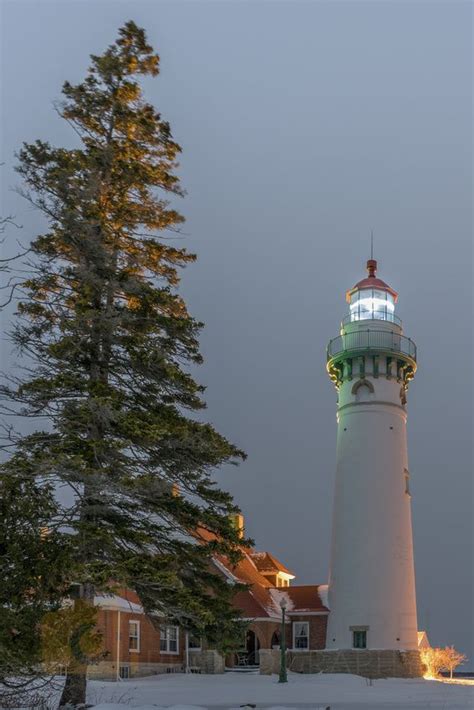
<point>74,691</point>
<point>75,686</point>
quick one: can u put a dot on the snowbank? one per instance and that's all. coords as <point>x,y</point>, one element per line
<point>121,706</point>
<point>232,690</point>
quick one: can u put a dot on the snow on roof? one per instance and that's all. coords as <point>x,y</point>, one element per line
<point>323,594</point>
<point>278,596</point>
<point>231,578</point>
<point>112,602</point>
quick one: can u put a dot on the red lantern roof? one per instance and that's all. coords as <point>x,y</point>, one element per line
<point>371,281</point>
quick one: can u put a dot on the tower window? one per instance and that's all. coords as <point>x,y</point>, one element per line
<point>359,638</point>
<point>407,482</point>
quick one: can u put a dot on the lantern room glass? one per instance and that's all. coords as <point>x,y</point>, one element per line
<point>372,304</point>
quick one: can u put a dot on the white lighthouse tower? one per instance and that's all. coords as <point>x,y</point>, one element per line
<point>372,581</point>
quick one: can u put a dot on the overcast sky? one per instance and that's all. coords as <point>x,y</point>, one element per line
<point>304,125</point>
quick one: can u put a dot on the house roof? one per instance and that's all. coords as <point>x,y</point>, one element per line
<point>308,597</point>
<point>266,563</point>
<point>261,603</point>
<point>262,599</point>
<point>423,641</point>
<point>114,602</point>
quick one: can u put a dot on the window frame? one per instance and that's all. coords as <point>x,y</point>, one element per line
<point>359,630</point>
<point>191,636</point>
<point>306,624</point>
<point>165,628</point>
<point>137,637</point>
<point>124,671</point>
<point>406,474</point>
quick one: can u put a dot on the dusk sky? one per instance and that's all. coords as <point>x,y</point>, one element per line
<point>304,125</point>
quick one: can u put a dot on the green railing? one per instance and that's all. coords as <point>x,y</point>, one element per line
<point>378,340</point>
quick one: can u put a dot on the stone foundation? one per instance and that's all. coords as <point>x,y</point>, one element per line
<point>269,661</point>
<point>366,663</point>
<point>107,670</point>
<point>210,662</point>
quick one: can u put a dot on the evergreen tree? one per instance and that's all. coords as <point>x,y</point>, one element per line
<point>33,559</point>
<point>108,341</point>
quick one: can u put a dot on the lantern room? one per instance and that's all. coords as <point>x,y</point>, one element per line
<point>372,298</point>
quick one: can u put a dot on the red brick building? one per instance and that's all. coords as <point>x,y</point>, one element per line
<point>136,645</point>
<point>260,605</point>
<point>133,643</point>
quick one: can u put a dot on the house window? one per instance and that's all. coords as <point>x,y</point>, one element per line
<point>300,635</point>
<point>194,642</point>
<point>169,636</point>
<point>134,636</point>
<point>359,638</point>
<point>124,672</point>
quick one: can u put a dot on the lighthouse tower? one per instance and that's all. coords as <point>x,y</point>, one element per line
<point>372,581</point>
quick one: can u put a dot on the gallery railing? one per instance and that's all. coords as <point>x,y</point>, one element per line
<point>380,340</point>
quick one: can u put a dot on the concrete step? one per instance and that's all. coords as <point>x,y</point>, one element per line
<point>243,669</point>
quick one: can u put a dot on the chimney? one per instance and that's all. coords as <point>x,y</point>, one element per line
<point>238,522</point>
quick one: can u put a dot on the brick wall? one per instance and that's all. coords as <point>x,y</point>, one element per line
<point>265,630</point>
<point>150,660</point>
<point>148,656</point>
<point>317,630</point>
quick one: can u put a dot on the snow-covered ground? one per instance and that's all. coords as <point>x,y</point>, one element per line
<point>313,692</point>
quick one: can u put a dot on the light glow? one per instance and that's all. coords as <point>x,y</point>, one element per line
<point>372,304</point>
<point>453,681</point>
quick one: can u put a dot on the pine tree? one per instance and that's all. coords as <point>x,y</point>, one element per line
<point>33,559</point>
<point>109,343</point>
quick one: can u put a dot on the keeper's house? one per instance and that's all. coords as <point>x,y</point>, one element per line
<point>135,644</point>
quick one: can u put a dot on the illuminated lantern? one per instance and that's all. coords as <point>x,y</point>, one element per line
<point>372,581</point>
<point>371,298</point>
